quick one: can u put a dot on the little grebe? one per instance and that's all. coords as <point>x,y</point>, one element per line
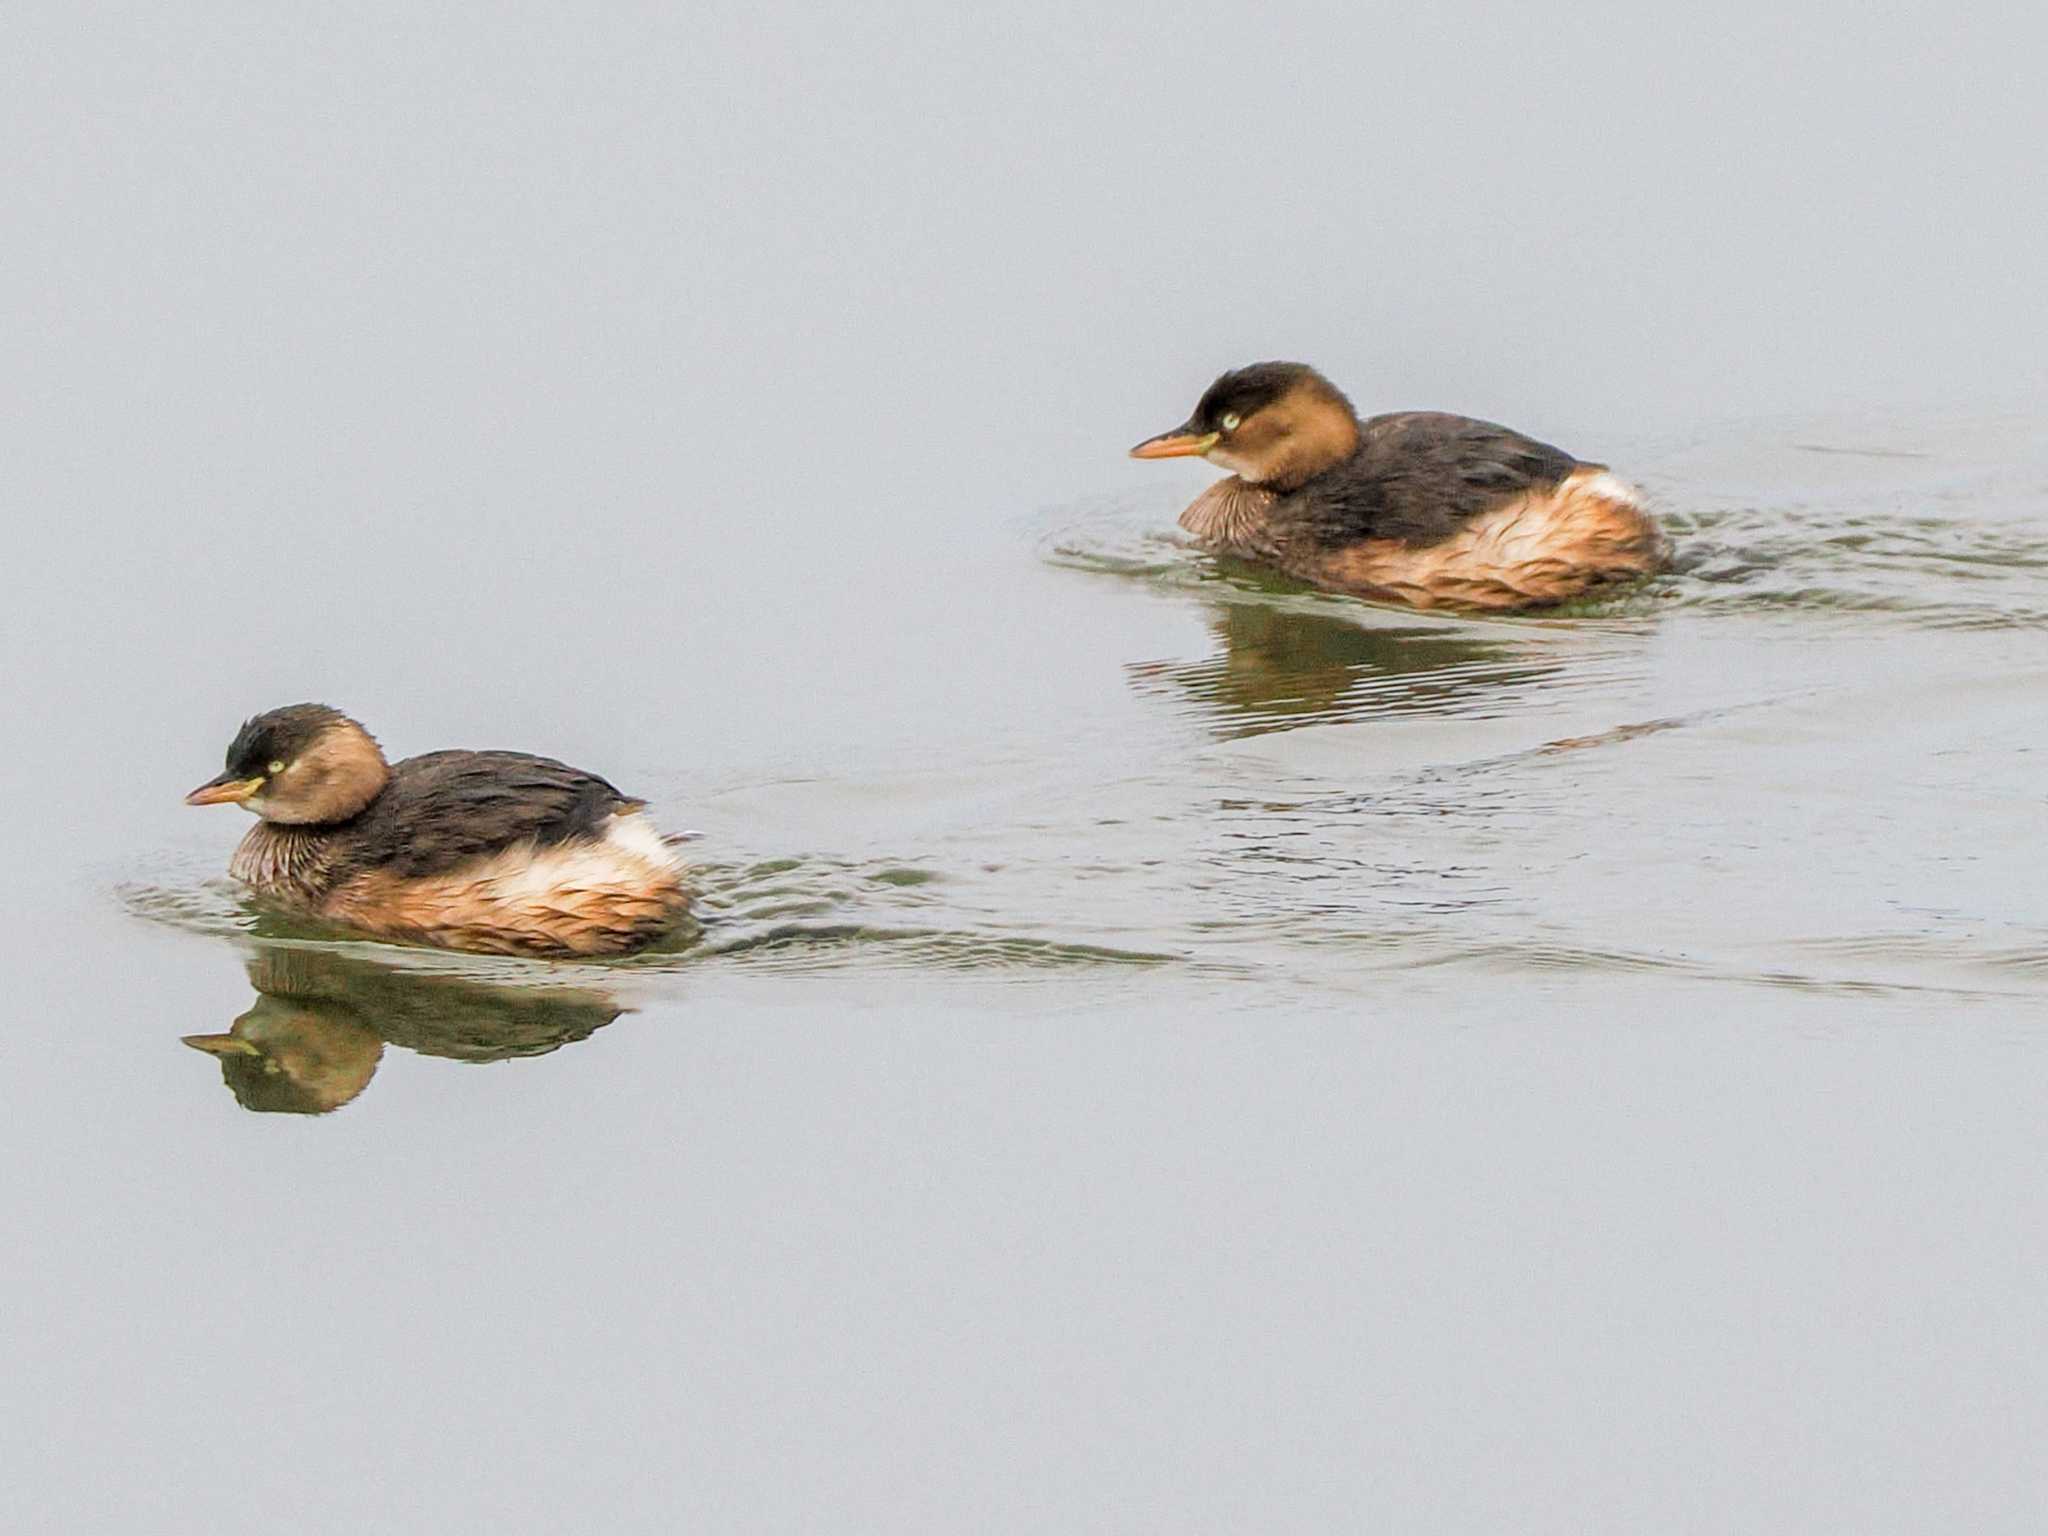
<point>1418,507</point>
<point>495,851</point>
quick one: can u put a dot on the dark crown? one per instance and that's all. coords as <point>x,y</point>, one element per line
<point>279,735</point>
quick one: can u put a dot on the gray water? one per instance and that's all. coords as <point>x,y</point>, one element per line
<point>1165,1050</point>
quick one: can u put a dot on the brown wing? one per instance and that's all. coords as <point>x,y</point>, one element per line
<point>1418,476</point>
<point>446,809</point>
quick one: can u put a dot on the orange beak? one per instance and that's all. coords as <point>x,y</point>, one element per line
<point>1180,443</point>
<point>224,789</point>
<point>221,1045</point>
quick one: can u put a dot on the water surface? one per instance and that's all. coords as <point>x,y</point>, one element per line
<point>1165,1050</point>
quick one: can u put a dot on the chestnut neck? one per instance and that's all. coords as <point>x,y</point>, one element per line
<point>332,781</point>
<point>1307,432</point>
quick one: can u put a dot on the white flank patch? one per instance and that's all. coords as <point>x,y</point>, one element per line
<point>1609,486</point>
<point>629,857</point>
<point>529,877</point>
<point>635,834</point>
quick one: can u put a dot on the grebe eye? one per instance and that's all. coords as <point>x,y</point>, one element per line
<point>277,767</point>
<point>1230,421</point>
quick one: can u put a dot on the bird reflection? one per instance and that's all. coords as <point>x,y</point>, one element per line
<point>1281,667</point>
<point>313,1038</point>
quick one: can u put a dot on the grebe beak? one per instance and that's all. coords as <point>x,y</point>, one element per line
<point>221,1045</point>
<point>224,789</point>
<point>1180,443</point>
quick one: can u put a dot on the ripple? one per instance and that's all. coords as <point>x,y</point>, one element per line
<point>1932,572</point>
<point>807,947</point>
<point>791,913</point>
<point>1905,536</point>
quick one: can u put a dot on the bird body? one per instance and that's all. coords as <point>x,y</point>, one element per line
<point>499,852</point>
<point>1420,507</point>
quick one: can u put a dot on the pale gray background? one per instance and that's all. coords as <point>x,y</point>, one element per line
<point>681,390</point>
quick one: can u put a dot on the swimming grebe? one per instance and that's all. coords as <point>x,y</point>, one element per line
<point>1419,507</point>
<point>494,851</point>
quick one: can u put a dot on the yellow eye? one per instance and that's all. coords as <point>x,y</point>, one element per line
<point>1230,421</point>
<point>277,767</point>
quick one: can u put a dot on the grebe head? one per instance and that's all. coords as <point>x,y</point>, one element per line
<point>1272,424</point>
<point>301,765</point>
